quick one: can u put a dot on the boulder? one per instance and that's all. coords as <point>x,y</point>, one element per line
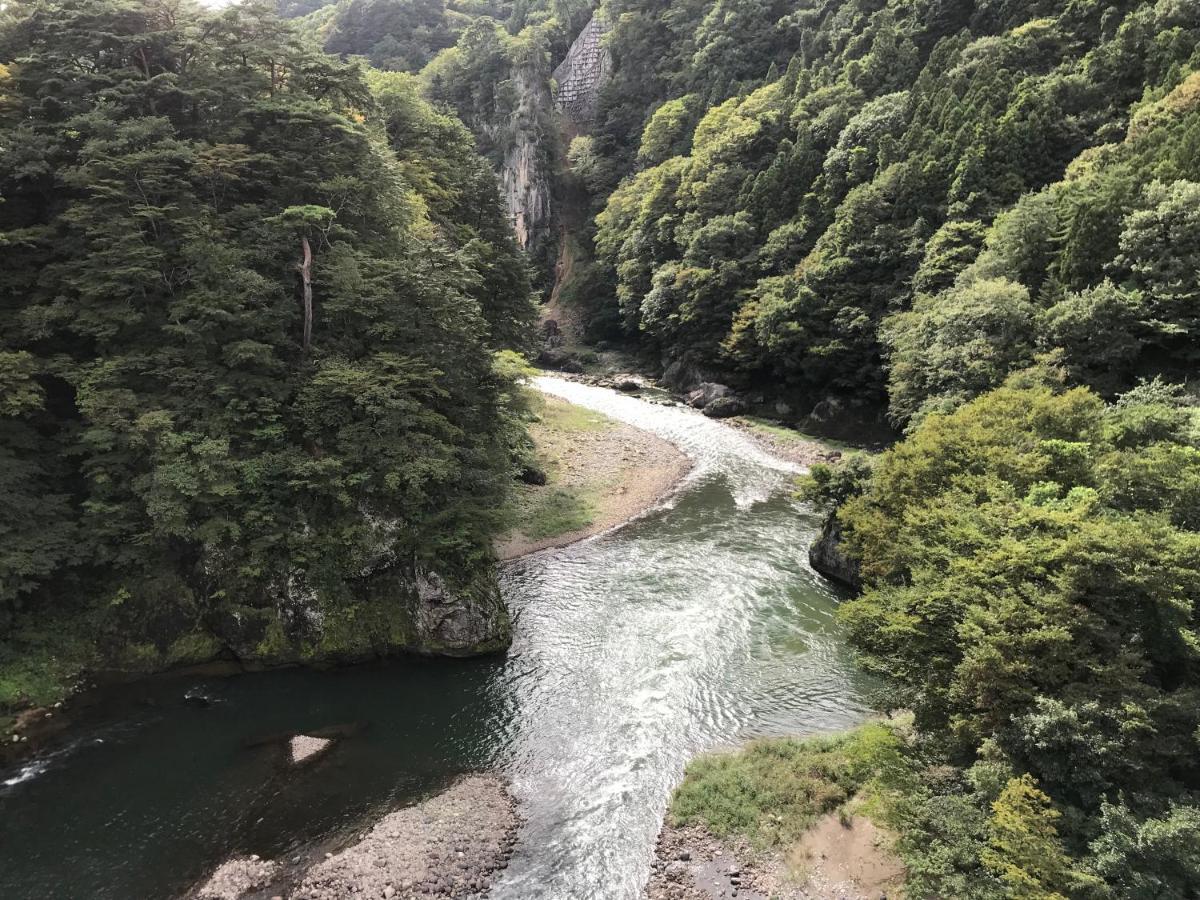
<point>707,393</point>
<point>533,475</point>
<point>724,407</point>
<point>683,376</point>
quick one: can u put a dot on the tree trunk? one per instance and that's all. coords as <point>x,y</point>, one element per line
<point>304,267</point>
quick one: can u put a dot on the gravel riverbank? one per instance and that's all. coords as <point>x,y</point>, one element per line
<point>451,845</point>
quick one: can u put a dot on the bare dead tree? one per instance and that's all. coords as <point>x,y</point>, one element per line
<point>304,267</point>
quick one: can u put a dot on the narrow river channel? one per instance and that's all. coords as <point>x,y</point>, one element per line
<point>696,626</point>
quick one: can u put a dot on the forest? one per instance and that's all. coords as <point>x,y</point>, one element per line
<point>976,220</point>
<point>251,305</point>
<point>260,301</point>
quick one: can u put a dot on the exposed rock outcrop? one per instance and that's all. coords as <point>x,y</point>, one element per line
<point>827,556</point>
<point>304,748</point>
<point>525,176</point>
<point>464,622</point>
<point>582,74</point>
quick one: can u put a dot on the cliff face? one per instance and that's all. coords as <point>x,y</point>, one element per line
<point>525,172</point>
<point>582,74</point>
<point>827,556</point>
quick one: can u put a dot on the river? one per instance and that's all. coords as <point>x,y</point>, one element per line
<point>696,626</point>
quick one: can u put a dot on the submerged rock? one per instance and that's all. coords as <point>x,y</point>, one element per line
<point>305,748</point>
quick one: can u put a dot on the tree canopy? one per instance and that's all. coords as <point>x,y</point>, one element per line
<point>247,321</point>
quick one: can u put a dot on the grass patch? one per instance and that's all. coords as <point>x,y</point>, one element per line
<point>560,416</point>
<point>552,512</point>
<point>40,674</point>
<point>785,434</point>
<point>772,791</point>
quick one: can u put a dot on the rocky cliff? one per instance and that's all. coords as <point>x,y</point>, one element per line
<point>525,171</point>
<point>828,557</point>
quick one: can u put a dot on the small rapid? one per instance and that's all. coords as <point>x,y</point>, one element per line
<point>694,627</point>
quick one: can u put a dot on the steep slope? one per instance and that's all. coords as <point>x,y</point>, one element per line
<point>866,154</point>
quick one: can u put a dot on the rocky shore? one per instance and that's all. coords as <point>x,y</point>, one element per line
<point>452,845</point>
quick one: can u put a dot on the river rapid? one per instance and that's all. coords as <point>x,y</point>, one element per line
<point>694,627</point>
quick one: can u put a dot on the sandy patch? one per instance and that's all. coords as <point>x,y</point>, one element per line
<point>617,469</point>
<point>853,852</point>
<point>793,447</point>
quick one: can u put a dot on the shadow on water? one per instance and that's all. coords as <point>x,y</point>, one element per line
<point>693,627</point>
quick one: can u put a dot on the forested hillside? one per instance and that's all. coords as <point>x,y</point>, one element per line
<point>978,220</point>
<point>902,202</point>
<point>248,310</point>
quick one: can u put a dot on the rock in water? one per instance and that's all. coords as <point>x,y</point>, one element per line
<point>724,407</point>
<point>305,748</point>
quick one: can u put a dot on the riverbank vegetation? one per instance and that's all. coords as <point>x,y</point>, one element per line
<point>248,310</point>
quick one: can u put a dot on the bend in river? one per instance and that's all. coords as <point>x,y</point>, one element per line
<point>695,626</point>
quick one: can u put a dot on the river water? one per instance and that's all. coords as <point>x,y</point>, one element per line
<point>691,628</point>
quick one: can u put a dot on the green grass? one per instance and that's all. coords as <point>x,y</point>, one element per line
<point>772,790</point>
<point>559,415</point>
<point>554,512</point>
<point>38,673</point>
<point>787,435</point>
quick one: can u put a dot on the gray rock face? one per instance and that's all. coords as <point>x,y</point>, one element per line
<point>708,393</point>
<point>724,407</point>
<point>524,176</point>
<point>466,622</point>
<point>583,73</point>
<point>682,376</point>
<point>827,557</point>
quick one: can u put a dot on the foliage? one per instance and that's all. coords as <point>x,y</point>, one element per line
<point>1032,563</point>
<point>773,790</point>
<point>185,193</point>
<point>912,200</point>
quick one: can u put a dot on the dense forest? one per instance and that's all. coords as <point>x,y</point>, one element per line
<point>250,308</point>
<point>978,220</point>
<point>259,284</point>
